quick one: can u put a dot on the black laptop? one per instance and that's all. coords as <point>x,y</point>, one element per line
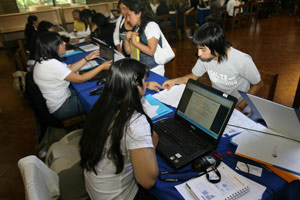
<point>106,54</point>
<point>200,119</point>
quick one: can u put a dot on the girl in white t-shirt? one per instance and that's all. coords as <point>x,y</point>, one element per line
<point>122,26</point>
<point>139,14</point>
<point>53,77</point>
<point>117,147</point>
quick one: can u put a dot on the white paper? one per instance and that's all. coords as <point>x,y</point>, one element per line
<point>275,150</point>
<point>90,64</point>
<point>257,171</point>
<point>170,97</point>
<point>183,190</point>
<point>149,109</point>
<point>89,47</point>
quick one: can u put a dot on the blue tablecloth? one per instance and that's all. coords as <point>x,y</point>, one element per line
<point>276,186</point>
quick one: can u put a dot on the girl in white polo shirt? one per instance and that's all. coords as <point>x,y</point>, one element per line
<point>117,147</point>
<point>53,77</point>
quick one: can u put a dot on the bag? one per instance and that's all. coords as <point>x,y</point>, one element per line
<point>165,53</point>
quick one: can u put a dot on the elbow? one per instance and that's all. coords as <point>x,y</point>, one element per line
<point>148,180</point>
<point>149,183</point>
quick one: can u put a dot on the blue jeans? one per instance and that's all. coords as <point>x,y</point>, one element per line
<point>70,108</point>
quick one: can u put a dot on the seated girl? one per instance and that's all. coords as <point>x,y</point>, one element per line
<point>53,77</point>
<point>118,144</point>
<point>139,14</point>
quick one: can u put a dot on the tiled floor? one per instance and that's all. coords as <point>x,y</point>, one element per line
<point>274,45</point>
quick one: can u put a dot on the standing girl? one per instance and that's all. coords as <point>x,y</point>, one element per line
<point>140,14</point>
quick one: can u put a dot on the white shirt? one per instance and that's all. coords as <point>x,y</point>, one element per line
<point>123,186</point>
<point>230,6</point>
<point>116,35</point>
<point>49,75</point>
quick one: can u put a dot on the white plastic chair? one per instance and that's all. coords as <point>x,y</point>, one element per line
<point>41,183</point>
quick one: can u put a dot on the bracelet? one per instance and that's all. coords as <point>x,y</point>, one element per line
<point>85,59</point>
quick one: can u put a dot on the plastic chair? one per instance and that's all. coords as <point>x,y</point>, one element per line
<point>63,157</point>
<point>40,182</point>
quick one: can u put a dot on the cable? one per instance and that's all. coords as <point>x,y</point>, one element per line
<point>267,133</point>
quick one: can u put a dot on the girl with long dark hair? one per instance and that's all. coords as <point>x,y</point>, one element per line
<point>117,147</point>
<point>30,29</point>
<point>53,77</point>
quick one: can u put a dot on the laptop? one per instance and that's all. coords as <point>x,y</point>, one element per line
<point>198,125</point>
<point>278,117</point>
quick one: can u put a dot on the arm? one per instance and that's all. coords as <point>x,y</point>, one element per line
<point>80,78</point>
<point>147,49</point>
<point>145,166</point>
<point>152,85</point>
<point>181,80</point>
<point>76,66</point>
<point>254,89</point>
<point>118,47</point>
<point>127,42</point>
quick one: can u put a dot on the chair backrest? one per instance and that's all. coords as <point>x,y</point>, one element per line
<point>270,82</point>
<point>172,25</point>
<point>40,182</point>
<point>221,16</point>
<point>39,106</point>
<point>64,157</point>
<point>190,19</point>
<point>296,103</point>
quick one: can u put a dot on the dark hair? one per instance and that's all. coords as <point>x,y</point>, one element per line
<point>142,6</point>
<point>100,20</point>
<point>212,36</point>
<point>111,114</point>
<point>121,1</point>
<point>31,19</point>
<point>46,46</point>
<point>29,26</point>
<point>76,11</point>
<point>85,15</point>
<point>44,26</point>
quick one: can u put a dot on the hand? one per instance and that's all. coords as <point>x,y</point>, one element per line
<point>169,83</point>
<point>93,54</point>
<point>133,38</point>
<point>106,65</point>
<point>75,40</point>
<point>87,39</point>
<point>155,139</point>
<point>152,85</point>
<point>128,35</point>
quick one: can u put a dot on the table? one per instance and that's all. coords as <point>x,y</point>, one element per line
<point>276,186</point>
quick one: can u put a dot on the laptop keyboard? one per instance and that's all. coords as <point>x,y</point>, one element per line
<point>183,136</point>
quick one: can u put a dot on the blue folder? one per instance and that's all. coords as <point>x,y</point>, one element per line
<point>162,110</point>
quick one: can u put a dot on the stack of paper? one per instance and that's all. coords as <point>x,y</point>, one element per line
<point>170,97</point>
<point>268,149</point>
<point>89,47</point>
<point>154,108</point>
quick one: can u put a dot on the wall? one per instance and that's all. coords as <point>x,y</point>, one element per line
<point>8,6</point>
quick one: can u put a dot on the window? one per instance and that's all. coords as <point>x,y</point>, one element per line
<point>23,5</point>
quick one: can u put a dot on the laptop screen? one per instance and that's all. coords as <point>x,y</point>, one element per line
<point>205,108</point>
